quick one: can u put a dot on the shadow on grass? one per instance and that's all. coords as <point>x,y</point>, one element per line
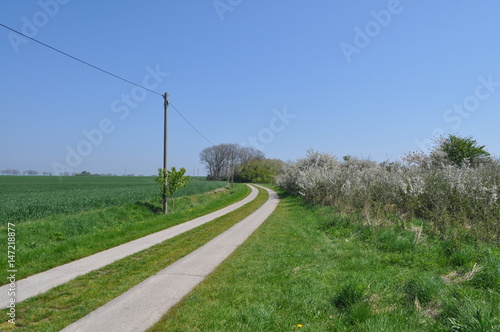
<point>153,208</point>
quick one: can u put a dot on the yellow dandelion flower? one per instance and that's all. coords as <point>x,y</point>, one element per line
<point>299,325</point>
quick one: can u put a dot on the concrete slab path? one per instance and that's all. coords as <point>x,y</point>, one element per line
<point>44,281</point>
<point>144,305</point>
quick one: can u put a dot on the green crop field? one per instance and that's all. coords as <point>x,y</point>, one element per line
<point>33,197</point>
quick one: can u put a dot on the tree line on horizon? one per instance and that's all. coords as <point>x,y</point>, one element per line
<point>11,171</point>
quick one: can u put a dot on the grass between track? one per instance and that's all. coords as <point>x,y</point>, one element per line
<point>67,303</point>
<point>309,268</point>
<point>52,241</point>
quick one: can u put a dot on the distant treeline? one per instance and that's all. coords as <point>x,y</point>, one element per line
<point>11,171</point>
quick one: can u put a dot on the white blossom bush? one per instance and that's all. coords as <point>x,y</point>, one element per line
<point>446,195</point>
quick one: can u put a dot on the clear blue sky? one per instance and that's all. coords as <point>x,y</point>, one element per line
<point>367,78</point>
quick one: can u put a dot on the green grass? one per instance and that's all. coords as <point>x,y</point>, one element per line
<point>26,198</point>
<point>67,303</point>
<point>52,241</point>
<point>306,268</point>
<point>309,268</point>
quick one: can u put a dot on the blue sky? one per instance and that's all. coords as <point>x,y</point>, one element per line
<point>371,78</point>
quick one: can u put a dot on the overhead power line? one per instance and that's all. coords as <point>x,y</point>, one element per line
<point>189,123</point>
<point>79,60</point>
<point>106,72</point>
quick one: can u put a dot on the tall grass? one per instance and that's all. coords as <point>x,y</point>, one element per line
<point>460,199</point>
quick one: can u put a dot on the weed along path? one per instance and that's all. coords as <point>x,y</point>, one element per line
<point>42,282</point>
<point>143,305</point>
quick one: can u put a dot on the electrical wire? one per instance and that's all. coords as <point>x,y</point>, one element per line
<point>108,73</point>
<point>79,60</point>
<point>189,123</point>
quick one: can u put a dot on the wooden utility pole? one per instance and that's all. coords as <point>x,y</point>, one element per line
<point>232,170</point>
<point>165,154</point>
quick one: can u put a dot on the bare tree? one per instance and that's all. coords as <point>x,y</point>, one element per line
<point>247,155</point>
<point>10,171</point>
<point>215,161</point>
<point>221,160</point>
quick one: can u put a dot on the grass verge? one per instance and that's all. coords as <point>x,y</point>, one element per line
<point>308,268</point>
<point>53,241</point>
<point>67,303</point>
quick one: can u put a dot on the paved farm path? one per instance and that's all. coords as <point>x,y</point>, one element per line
<point>44,281</point>
<point>143,305</point>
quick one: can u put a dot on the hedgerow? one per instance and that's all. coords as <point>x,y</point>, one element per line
<point>449,197</point>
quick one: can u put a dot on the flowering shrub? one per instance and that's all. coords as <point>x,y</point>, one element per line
<point>446,195</point>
